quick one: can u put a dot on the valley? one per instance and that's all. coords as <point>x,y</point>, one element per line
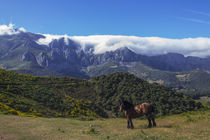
<point>84,69</point>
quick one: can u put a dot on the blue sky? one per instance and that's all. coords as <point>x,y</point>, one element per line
<point>161,18</point>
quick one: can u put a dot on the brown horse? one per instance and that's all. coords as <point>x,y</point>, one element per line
<point>132,111</point>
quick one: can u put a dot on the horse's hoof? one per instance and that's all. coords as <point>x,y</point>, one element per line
<point>149,126</point>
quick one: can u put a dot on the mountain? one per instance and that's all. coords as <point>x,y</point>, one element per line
<point>177,62</point>
<point>21,50</point>
<point>70,97</point>
<point>26,52</point>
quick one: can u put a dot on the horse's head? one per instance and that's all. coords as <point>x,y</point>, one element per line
<point>125,105</point>
<point>122,106</point>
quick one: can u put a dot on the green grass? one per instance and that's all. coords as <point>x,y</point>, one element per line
<point>191,125</point>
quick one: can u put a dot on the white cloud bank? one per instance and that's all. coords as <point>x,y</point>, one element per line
<point>9,30</point>
<point>49,38</point>
<point>150,46</point>
<point>147,45</point>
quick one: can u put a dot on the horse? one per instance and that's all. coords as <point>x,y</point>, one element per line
<point>132,111</point>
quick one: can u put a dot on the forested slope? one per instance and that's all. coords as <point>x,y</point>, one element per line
<point>70,97</point>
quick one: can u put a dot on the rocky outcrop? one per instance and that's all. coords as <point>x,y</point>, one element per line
<point>42,59</point>
<point>28,56</point>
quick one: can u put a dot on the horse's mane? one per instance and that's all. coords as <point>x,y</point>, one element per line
<point>127,105</point>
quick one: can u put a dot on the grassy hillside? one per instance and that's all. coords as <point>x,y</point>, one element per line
<point>42,96</point>
<point>69,97</point>
<point>187,126</point>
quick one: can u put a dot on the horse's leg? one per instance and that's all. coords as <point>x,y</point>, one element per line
<point>128,122</point>
<point>149,120</point>
<point>131,123</point>
<point>153,121</point>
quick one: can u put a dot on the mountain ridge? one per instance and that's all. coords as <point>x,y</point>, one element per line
<point>73,53</point>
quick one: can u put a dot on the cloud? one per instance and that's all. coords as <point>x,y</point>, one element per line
<point>49,38</point>
<point>21,29</point>
<point>199,12</point>
<point>195,20</point>
<point>9,30</point>
<point>150,46</point>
